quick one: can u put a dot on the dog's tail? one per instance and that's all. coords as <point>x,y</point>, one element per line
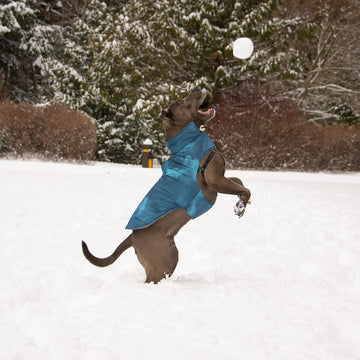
<point>110,259</point>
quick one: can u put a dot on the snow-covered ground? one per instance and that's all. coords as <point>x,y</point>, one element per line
<point>282,283</point>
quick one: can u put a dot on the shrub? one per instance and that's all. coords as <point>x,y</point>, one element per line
<point>343,113</point>
<point>50,132</point>
<point>271,134</point>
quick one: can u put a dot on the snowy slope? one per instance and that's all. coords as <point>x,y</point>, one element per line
<point>281,283</point>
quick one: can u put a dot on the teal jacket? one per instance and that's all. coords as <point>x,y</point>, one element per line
<point>177,187</point>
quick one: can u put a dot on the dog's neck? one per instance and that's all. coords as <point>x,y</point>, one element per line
<point>172,131</point>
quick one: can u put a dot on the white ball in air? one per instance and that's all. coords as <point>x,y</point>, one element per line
<point>243,48</point>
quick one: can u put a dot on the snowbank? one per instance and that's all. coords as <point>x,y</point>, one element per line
<point>283,282</point>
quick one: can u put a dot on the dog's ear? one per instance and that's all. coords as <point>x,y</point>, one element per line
<point>168,122</point>
<point>165,115</point>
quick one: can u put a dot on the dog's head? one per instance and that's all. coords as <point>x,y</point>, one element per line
<point>184,111</point>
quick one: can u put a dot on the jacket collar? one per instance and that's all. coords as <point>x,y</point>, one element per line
<point>186,136</point>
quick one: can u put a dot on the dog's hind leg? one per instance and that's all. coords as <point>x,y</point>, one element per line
<point>163,263</point>
<point>156,253</point>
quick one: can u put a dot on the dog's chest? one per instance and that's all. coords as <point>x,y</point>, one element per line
<point>177,187</point>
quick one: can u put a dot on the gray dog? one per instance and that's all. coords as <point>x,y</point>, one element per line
<point>192,178</point>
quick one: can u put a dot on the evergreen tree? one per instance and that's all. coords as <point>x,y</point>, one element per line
<point>123,61</point>
<point>24,39</point>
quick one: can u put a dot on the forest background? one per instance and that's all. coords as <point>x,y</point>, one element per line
<point>293,105</point>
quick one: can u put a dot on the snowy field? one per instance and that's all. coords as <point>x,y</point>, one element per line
<point>282,283</point>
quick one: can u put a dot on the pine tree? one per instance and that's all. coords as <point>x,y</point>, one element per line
<point>16,20</point>
<point>123,61</point>
<point>24,40</point>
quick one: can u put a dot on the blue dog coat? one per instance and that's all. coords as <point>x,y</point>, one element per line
<point>177,187</point>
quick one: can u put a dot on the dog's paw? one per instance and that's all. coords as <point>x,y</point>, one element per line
<point>239,208</point>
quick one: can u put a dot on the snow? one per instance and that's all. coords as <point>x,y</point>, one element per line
<point>282,282</point>
<point>147,142</point>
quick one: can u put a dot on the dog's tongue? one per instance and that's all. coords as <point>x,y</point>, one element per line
<point>207,112</point>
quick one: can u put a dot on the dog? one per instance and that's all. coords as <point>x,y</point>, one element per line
<point>192,178</point>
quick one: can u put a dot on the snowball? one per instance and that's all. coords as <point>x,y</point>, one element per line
<point>243,48</point>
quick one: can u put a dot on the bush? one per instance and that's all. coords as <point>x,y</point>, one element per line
<point>50,132</point>
<point>271,134</point>
<point>343,113</point>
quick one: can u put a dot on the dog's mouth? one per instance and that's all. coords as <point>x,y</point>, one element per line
<point>206,115</point>
<point>198,97</point>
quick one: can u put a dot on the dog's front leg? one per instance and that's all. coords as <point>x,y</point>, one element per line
<point>233,186</point>
<point>240,206</point>
<point>241,191</point>
<point>216,182</point>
